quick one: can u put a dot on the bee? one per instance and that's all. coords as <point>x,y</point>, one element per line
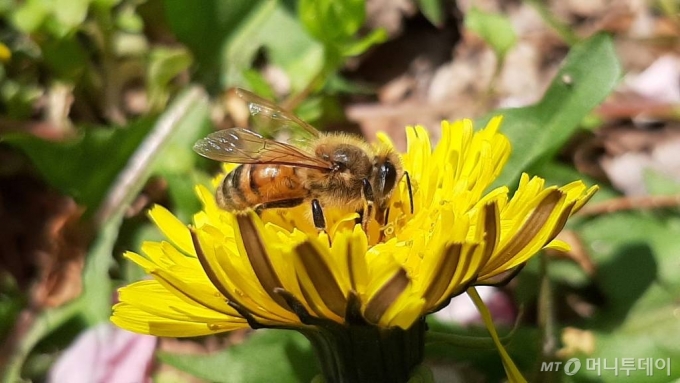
<point>325,170</point>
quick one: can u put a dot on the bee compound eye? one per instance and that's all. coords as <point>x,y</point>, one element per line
<point>387,177</point>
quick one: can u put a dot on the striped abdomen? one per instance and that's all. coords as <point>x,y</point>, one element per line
<point>260,186</point>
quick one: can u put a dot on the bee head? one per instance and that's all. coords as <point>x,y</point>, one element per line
<point>386,172</point>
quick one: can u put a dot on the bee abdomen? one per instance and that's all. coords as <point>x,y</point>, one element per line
<point>229,195</point>
<point>253,185</point>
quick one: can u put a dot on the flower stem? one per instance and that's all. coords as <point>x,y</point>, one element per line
<point>365,353</point>
<point>514,376</point>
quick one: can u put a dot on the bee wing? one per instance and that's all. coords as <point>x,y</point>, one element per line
<point>243,146</point>
<point>269,117</point>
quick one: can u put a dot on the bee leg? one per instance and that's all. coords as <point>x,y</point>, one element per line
<point>360,218</point>
<point>382,215</point>
<point>317,215</point>
<point>369,198</point>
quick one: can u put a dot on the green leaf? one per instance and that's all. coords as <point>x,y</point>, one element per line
<point>84,168</point>
<point>290,48</point>
<point>11,303</point>
<point>6,6</point>
<point>241,47</point>
<point>164,65</point>
<point>106,4</point>
<point>31,15</point>
<point>258,84</point>
<point>130,45</point>
<point>638,275</point>
<point>128,20</point>
<point>433,11</point>
<point>523,347</point>
<point>186,108</point>
<point>272,29</point>
<point>97,285</point>
<point>178,156</point>
<point>635,256</point>
<point>287,356</point>
<point>65,57</point>
<point>44,323</point>
<point>19,99</point>
<point>549,17</point>
<point>205,26</point>
<point>332,22</point>
<point>311,109</point>
<point>355,48</point>
<point>182,192</point>
<point>178,163</point>
<point>421,374</point>
<point>71,14</point>
<point>60,19</point>
<point>495,29</point>
<point>658,183</point>
<point>558,174</point>
<point>537,131</point>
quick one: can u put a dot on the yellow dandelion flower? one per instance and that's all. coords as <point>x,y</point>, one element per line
<point>231,271</point>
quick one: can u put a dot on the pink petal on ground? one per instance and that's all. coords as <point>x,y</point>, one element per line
<point>105,354</point>
<point>463,311</point>
<point>659,81</point>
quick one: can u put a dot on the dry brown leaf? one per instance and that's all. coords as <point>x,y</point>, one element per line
<point>42,240</point>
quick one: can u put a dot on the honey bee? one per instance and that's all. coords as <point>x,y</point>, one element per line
<point>327,170</point>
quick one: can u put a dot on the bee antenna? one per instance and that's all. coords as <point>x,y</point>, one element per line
<point>410,190</point>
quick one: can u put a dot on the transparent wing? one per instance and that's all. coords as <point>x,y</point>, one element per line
<point>271,118</point>
<point>243,146</point>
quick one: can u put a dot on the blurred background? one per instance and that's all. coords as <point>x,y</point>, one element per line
<point>102,100</point>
